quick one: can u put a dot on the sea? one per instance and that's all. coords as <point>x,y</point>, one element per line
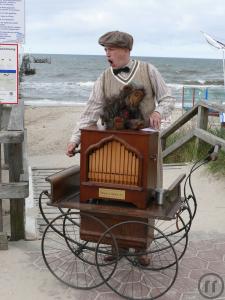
<point>67,80</point>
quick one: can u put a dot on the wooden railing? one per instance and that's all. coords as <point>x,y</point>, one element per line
<point>14,163</point>
<point>201,110</point>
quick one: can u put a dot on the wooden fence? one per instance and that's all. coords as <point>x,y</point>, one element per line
<point>13,152</point>
<point>201,110</point>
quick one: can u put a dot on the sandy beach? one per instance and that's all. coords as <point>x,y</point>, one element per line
<point>49,128</point>
<point>48,132</point>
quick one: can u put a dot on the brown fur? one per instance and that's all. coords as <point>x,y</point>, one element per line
<point>119,110</point>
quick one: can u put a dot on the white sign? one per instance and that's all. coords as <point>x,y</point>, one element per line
<point>12,21</point>
<point>9,73</point>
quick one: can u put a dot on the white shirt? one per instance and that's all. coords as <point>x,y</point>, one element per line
<point>93,110</point>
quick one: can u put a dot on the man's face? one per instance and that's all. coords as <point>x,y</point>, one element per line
<point>117,57</point>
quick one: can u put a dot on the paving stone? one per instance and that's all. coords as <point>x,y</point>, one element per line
<point>104,289</point>
<point>76,294</point>
<point>193,263</point>
<point>106,296</point>
<point>171,294</point>
<point>192,296</point>
<point>34,255</point>
<point>211,255</point>
<point>217,267</point>
<point>183,271</point>
<point>197,273</point>
<point>190,252</point>
<point>39,263</point>
<point>220,248</point>
<point>202,244</point>
<point>185,285</point>
<point>134,290</point>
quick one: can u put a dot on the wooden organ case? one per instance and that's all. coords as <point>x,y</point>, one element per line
<point>119,167</point>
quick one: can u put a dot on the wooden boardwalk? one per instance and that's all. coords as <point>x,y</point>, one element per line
<point>39,184</point>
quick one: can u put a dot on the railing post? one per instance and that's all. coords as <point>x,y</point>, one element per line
<point>193,97</point>
<point>183,100</point>
<point>15,154</point>
<point>202,123</point>
<point>163,143</point>
<point>17,206</point>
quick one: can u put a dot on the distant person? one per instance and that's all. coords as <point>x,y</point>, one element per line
<point>123,70</point>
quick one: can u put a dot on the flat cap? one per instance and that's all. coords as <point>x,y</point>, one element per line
<point>116,39</point>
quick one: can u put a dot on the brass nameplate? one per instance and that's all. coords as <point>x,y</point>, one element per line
<point>111,193</point>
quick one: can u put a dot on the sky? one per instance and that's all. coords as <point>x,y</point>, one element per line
<point>161,28</point>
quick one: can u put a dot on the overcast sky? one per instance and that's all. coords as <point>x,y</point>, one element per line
<point>167,28</point>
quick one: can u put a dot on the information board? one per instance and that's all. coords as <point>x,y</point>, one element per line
<point>9,73</point>
<point>12,21</point>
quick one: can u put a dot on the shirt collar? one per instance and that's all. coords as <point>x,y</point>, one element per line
<point>130,64</point>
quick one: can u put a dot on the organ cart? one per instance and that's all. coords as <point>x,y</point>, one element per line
<point>115,226</point>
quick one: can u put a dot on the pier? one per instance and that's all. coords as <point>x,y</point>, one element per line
<point>26,68</point>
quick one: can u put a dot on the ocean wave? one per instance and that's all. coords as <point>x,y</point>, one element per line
<point>41,84</point>
<point>86,83</point>
<point>61,75</point>
<point>53,85</point>
<point>175,86</point>
<point>212,82</point>
<point>188,72</point>
<point>49,102</point>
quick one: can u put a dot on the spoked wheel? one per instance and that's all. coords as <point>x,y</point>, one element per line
<point>44,197</point>
<point>85,250</point>
<point>65,262</point>
<point>176,230</point>
<point>144,272</point>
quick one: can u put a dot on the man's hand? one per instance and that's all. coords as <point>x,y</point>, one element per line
<point>155,120</point>
<point>71,149</point>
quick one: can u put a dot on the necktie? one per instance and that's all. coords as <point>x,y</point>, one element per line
<point>125,69</point>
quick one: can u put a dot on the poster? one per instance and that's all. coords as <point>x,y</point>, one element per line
<point>9,73</point>
<point>12,21</point>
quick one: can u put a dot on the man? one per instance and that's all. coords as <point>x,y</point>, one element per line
<point>122,71</point>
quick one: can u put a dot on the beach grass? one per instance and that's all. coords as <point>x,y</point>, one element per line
<point>189,153</point>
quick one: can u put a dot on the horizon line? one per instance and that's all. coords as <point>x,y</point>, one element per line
<point>78,54</point>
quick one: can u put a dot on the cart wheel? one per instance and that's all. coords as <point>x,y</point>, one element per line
<point>176,230</point>
<point>133,279</point>
<point>85,250</point>
<point>66,265</point>
<point>44,197</point>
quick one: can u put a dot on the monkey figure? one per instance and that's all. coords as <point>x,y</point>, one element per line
<point>122,110</point>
